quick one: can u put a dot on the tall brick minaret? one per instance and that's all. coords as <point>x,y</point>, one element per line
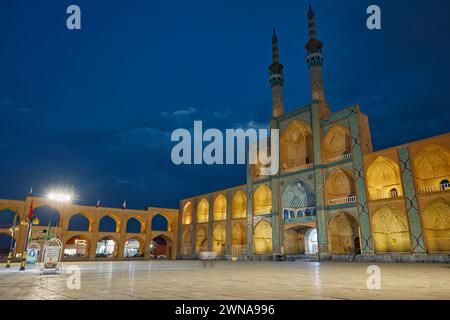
<point>276,79</point>
<point>314,59</point>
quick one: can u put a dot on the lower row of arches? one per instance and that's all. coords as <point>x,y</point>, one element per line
<point>107,247</point>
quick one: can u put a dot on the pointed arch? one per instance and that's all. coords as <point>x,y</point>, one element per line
<point>296,148</point>
<point>339,184</point>
<point>201,241</point>
<point>203,211</point>
<point>296,195</point>
<point>238,234</point>
<point>107,224</point>
<point>343,229</point>
<point>239,205</point>
<point>390,230</point>
<point>160,223</point>
<point>220,208</point>
<point>47,215</point>
<point>262,200</point>
<point>187,213</point>
<point>383,176</point>
<point>106,247</point>
<point>7,218</point>
<point>80,222</point>
<point>77,246</point>
<point>262,238</point>
<point>219,239</point>
<point>431,166</point>
<point>336,142</point>
<point>133,248</point>
<point>436,223</point>
<point>134,225</point>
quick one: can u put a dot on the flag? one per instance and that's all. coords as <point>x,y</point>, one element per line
<point>30,212</point>
<point>49,234</point>
<point>124,205</point>
<point>98,204</point>
<point>31,192</point>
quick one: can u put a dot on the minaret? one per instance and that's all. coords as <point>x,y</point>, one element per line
<point>276,79</point>
<point>314,59</point>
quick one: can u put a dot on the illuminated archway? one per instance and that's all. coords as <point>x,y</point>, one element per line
<point>239,205</point>
<point>107,224</point>
<point>220,208</point>
<point>79,222</point>
<point>187,213</point>
<point>47,216</point>
<point>296,148</point>
<point>436,223</point>
<point>219,239</point>
<point>339,184</point>
<point>77,246</point>
<point>390,230</point>
<point>161,247</point>
<point>201,241</point>
<point>203,211</point>
<point>133,248</point>
<point>383,176</point>
<point>343,230</point>
<point>262,200</point>
<point>336,142</point>
<point>186,242</point>
<point>106,247</point>
<point>262,240</point>
<point>431,166</point>
<point>134,225</point>
<point>160,223</point>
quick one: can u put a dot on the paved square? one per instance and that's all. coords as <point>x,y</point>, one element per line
<point>230,280</point>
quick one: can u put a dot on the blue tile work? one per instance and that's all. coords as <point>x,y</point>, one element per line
<point>343,122</point>
<point>415,227</point>
<point>339,115</point>
<point>297,191</point>
<point>210,221</point>
<point>318,181</point>
<point>351,210</point>
<point>249,194</point>
<point>229,197</point>
<point>194,225</point>
<point>363,209</point>
<point>275,217</point>
<point>304,116</point>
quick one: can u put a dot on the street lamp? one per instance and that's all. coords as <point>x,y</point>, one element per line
<point>60,197</point>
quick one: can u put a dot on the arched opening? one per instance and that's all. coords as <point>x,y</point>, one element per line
<point>160,223</point>
<point>187,213</point>
<point>77,246</point>
<point>5,244</point>
<point>79,222</point>
<point>436,223</point>
<point>134,226</point>
<point>201,241</point>
<point>238,238</point>
<point>262,200</point>
<point>203,211</point>
<point>107,224</point>
<point>106,247</point>
<point>133,249</point>
<point>390,230</point>
<point>239,205</point>
<point>262,238</point>
<point>220,208</point>
<point>339,184</point>
<point>383,174</point>
<point>219,239</point>
<point>336,142</point>
<point>431,166</point>
<point>161,248</point>
<point>47,216</point>
<point>444,184</point>
<point>311,243</point>
<point>300,240</point>
<point>186,242</point>
<point>342,231</point>
<point>296,147</point>
<point>7,218</point>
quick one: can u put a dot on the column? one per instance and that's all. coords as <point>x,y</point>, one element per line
<point>179,231</point>
<point>276,249</point>
<point>194,227</point>
<point>415,228</point>
<point>228,234</point>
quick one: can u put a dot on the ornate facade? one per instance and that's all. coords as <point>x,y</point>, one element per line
<point>333,196</point>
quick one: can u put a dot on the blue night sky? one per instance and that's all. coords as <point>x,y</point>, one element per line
<point>94,109</point>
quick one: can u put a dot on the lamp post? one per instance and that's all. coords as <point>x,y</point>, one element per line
<point>13,242</point>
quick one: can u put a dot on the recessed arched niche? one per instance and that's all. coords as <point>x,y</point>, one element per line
<point>337,142</point>
<point>383,179</point>
<point>296,147</point>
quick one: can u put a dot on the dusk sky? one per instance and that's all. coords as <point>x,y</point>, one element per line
<point>93,109</point>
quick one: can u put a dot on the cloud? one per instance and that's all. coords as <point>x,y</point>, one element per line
<point>180,112</point>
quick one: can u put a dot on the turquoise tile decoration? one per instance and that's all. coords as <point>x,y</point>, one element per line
<point>415,228</point>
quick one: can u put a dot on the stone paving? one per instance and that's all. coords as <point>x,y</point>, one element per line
<point>229,280</point>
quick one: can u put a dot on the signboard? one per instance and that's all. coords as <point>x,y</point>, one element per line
<point>33,251</point>
<point>51,257</point>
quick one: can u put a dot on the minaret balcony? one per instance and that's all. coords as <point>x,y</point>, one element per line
<point>442,187</point>
<point>344,200</point>
<point>344,157</point>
